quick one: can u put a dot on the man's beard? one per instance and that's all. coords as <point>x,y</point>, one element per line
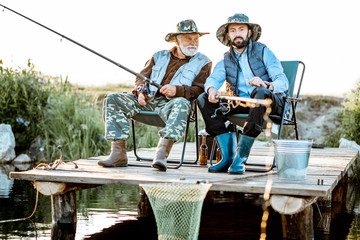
<point>242,44</point>
<point>189,50</point>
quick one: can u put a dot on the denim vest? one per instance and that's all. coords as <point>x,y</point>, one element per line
<point>185,75</point>
<point>255,54</point>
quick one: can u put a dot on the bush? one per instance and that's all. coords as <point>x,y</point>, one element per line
<point>351,116</point>
<point>23,98</point>
<point>37,105</point>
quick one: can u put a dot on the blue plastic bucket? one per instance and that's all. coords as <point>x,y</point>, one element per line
<point>292,158</point>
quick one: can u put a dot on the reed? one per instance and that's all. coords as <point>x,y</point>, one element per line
<point>74,122</point>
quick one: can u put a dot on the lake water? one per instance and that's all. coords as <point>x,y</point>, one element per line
<point>111,212</point>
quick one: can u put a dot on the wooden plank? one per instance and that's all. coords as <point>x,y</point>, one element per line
<point>328,165</point>
<point>248,183</point>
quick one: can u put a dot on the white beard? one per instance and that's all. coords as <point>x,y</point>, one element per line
<point>189,50</point>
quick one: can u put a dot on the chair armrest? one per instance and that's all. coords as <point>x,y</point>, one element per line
<point>293,99</point>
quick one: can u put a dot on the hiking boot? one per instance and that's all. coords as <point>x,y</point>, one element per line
<point>161,154</point>
<point>117,157</point>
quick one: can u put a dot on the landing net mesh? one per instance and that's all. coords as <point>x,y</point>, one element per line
<point>177,208</point>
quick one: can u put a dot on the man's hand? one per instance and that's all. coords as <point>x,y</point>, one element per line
<point>141,95</point>
<point>213,93</point>
<point>257,82</point>
<point>168,90</point>
<point>141,99</point>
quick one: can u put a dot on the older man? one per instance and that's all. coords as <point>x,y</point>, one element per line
<point>250,70</point>
<point>182,72</point>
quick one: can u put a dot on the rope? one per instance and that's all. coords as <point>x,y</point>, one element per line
<point>27,218</point>
<point>55,164</point>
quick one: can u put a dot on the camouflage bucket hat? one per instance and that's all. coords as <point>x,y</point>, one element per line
<point>186,26</point>
<point>238,18</point>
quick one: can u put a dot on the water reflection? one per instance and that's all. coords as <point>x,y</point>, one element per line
<point>5,183</point>
<point>111,212</point>
<point>63,231</point>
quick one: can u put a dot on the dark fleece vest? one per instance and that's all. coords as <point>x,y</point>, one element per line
<point>255,53</point>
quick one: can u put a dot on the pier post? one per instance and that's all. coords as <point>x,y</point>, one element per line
<point>299,225</point>
<point>144,206</point>
<point>63,207</point>
<point>322,219</point>
<point>330,206</point>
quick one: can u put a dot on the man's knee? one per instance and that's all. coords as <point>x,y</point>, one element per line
<point>118,99</point>
<point>181,100</point>
<point>202,100</point>
<point>260,93</point>
<point>181,103</point>
<point>252,129</point>
<point>108,98</point>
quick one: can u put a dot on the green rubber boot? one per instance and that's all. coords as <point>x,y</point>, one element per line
<point>227,146</point>
<point>242,154</point>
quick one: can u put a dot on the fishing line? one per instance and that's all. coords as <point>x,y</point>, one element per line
<point>83,46</point>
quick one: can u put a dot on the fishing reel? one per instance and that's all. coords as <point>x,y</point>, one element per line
<point>143,89</point>
<point>224,108</point>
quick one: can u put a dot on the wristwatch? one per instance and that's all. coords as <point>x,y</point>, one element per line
<point>267,85</point>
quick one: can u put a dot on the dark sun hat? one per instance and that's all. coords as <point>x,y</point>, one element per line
<point>237,18</point>
<point>186,26</point>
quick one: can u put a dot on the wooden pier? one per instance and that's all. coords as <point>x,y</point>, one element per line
<point>327,169</point>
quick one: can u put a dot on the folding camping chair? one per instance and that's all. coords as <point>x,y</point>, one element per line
<point>152,118</point>
<point>288,115</point>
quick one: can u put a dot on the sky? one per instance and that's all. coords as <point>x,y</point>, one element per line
<point>322,33</point>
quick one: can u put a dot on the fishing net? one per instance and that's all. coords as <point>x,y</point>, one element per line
<point>177,208</point>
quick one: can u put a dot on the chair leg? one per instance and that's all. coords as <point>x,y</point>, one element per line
<point>260,165</point>
<point>196,138</point>
<point>184,146</point>
<point>181,161</point>
<point>138,158</point>
<point>213,148</point>
<point>185,141</point>
<point>295,125</point>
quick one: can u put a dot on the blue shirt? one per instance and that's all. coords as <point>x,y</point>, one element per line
<point>273,67</point>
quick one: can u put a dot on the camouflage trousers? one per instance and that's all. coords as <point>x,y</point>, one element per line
<point>118,108</point>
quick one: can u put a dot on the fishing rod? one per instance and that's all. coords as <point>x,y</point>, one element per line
<point>266,102</point>
<point>147,80</point>
<point>235,101</point>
